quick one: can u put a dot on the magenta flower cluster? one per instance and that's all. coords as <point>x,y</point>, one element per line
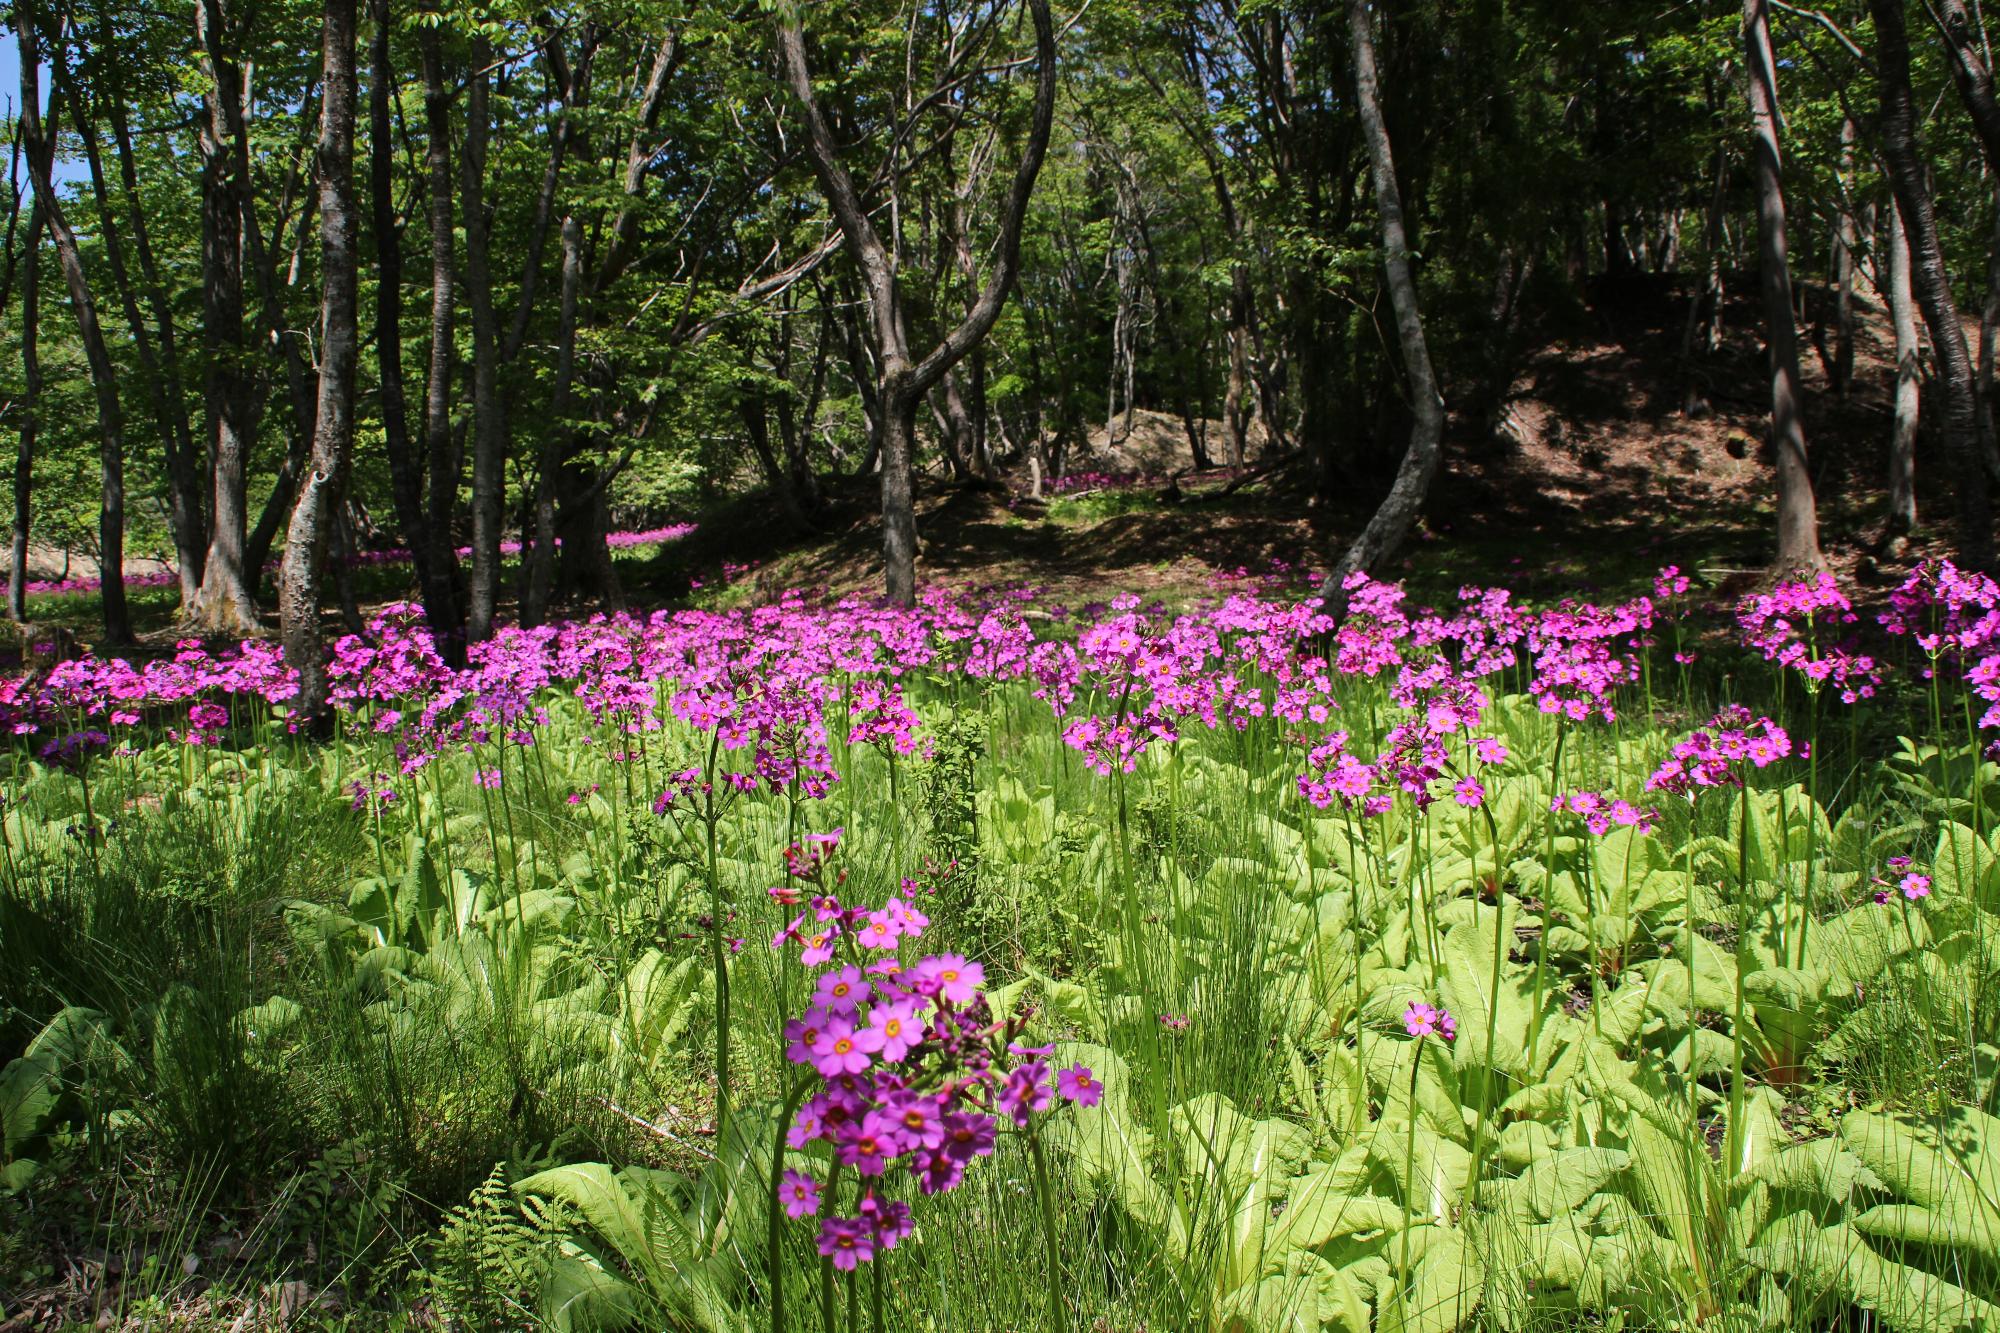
<point>1716,755</point>
<point>1805,625</point>
<point>1601,812</point>
<point>914,1071</point>
<point>785,690</point>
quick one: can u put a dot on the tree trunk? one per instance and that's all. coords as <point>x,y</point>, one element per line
<point>753,410</point>
<point>795,428</point>
<point>406,480</point>
<point>1960,418</point>
<point>1798,518</point>
<point>573,80</point>
<point>103,375</point>
<point>318,507</point>
<point>226,602</point>
<point>899,522</point>
<point>1392,519</point>
<point>902,379</point>
<point>1710,295</point>
<point>1237,404</point>
<point>541,574</point>
<point>184,478</point>
<point>1989,333</point>
<point>1909,381</point>
<point>441,458</point>
<point>1965,41</point>
<point>301,382</point>
<point>185,519</point>
<point>31,406</point>
<point>489,437</point>
<point>1843,269</point>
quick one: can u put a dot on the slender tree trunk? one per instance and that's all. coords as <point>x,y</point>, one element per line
<point>898,429</point>
<point>1989,333</point>
<point>902,378</point>
<point>1964,39</point>
<point>320,494</point>
<point>573,78</point>
<point>31,406</point>
<point>754,412</point>
<point>1503,358</point>
<point>185,471</point>
<point>796,428</point>
<point>541,575</point>
<point>1798,518</point>
<point>441,458</point>
<point>97,354</point>
<point>155,346</point>
<point>1960,418</point>
<point>300,379</point>
<point>625,227</point>
<point>1392,519</point>
<point>1909,382</point>
<point>184,511</point>
<point>1843,269</point>
<point>957,432</point>
<point>1237,404</point>
<point>226,602</point>
<point>1711,239</point>
<point>406,480</point>
<point>489,430</point>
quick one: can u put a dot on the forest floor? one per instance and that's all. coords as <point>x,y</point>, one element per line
<point>1597,478</point>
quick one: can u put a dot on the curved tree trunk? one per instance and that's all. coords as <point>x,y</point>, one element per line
<point>489,431</point>
<point>1798,515</point>
<point>441,605</point>
<point>902,379</point>
<point>1391,523</point>
<point>1909,390</point>
<point>186,521</point>
<point>36,143</point>
<point>1843,268</point>
<point>542,559</point>
<point>406,472</point>
<point>1959,421</point>
<point>318,507</point>
<point>31,399</point>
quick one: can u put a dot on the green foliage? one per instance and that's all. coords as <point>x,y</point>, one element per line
<point>342,1037</point>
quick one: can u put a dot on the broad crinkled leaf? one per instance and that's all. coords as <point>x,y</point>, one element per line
<point>1554,1185</point>
<point>1440,1296</point>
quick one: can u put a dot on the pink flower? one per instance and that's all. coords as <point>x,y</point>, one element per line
<point>1025,1091</point>
<point>868,1146</point>
<point>1915,886</point>
<point>968,1135</point>
<point>848,1241</point>
<point>839,1050</point>
<point>951,976</point>
<point>800,1195</point>
<point>1468,793</point>
<point>879,933</point>
<point>841,992</point>
<point>892,1030</point>
<point>806,1037</point>
<point>818,946</point>
<point>1079,1085</point>
<point>1423,1020</point>
<point>918,1121</point>
<point>891,1219</point>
